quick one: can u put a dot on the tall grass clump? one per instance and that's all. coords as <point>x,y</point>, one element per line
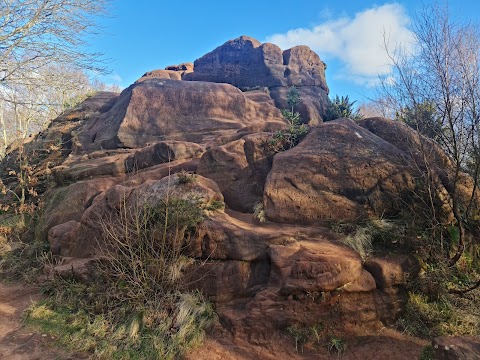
<point>369,236</point>
<point>141,305</point>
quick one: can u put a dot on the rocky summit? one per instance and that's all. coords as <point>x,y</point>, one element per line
<point>252,66</point>
<point>266,255</point>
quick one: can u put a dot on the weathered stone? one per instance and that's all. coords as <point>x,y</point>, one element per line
<point>456,348</point>
<point>181,67</point>
<point>339,171</point>
<point>364,283</point>
<point>229,280</point>
<point>240,169</point>
<point>312,266</point>
<point>155,110</point>
<point>392,270</point>
<point>69,203</point>
<point>61,235</point>
<point>104,212</point>
<point>160,74</point>
<point>82,270</point>
<point>162,152</point>
<point>247,64</point>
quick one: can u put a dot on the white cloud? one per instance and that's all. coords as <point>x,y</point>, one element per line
<point>116,78</point>
<point>358,42</point>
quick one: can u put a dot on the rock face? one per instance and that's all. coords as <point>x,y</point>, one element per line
<point>246,63</point>
<point>250,65</point>
<point>209,141</point>
<point>155,110</point>
<point>161,74</point>
<point>240,169</point>
<point>339,171</point>
<point>456,348</point>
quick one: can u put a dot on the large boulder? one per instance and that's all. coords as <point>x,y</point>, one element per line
<point>68,203</point>
<point>313,266</point>
<point>161,74</point>
<point>339,171</point>
<point>154,110</point>
<point>82,239</point>
<point>427,154</point>
<point>52,146</point>
<point>248,64</point>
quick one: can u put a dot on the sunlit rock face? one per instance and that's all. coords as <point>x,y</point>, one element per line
<point>248,64</point>
<point>216,119</point>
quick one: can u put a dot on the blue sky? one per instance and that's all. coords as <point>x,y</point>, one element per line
<point>144,35</point>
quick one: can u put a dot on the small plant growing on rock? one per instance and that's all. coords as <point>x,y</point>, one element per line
<point>341,107</point>
<point>337,345</point>
<point>300,335</point>
<point>286,139</point>
<point>185,177</point>
<point>259,212</point>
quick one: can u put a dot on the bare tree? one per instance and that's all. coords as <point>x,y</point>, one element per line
<point>43,59</point>
<point>38,33</point>
<point>441,73</point>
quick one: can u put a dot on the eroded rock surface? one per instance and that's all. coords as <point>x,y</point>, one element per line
<point>207,140</point>
<point>456,348</point>
<point>248,64</point>
<point>339,171</point>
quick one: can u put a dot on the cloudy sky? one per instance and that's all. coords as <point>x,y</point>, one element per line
<point>143,35</point>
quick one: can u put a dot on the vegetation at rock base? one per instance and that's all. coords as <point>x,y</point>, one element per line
<point>135,298</point>
<point>140,305</point>
<point>434,90</point>
<point>316,337</point>
<point>434,307</point>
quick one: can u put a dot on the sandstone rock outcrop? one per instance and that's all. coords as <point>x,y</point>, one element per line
<point>155,110</point>
<point>81,238</point>
<point>240,169</point>
<point>246,63</point>
<point>339,171</point>
<point>161,74</point>
<point>117,152</point>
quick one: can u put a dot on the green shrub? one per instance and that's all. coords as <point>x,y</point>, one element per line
<point>140,305</point>
<point>341,107</point>
<point>300,334</point>
<point>337,345</point>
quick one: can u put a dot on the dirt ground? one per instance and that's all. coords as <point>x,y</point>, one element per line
<point>20,343</point>
<point>16,341</point>
<point>386,345</point>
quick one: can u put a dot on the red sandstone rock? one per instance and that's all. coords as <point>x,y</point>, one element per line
<point>239,168</point>
<point>156,110</point>
<point>339,171</point>
<point>247,64</point>
<point>456,348</point>
<point>392,270</point>
<point>160,74</point>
